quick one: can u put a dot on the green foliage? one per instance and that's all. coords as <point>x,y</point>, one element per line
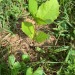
<point>68,68</point>
<point>0,0</point>
<point>40,50</point>
<point>33,7</point>
<point>14,66</point>
<point>28,29</point>
<point>25,57</point>
<point>65,23</point>
<point>39,71</point>
<point>43,16</point>
<point>46,13</point>
<point>59,54</point>
<point>40,36</point>
<point>29,71</point>
<point>11,60</point>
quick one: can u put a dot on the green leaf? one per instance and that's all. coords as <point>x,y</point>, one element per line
<point>40,21</point>
<point>25,57</point>
<point>28,29</point>
<point>29,71</point>
<point>40,36</point>
<point>11,60</point>
<point>48,11</point>
<point>15,69</point>
<point>39,71</point>
<point>16,65</point>
<point>33,7</point>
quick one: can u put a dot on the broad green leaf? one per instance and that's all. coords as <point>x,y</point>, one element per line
<point>33,7</point>
<point>29,71</point>
<point>39,71</point>
<point>11,60</point>
<point>25,57</point>
<point>28,29</point>
<point>40,36</point>
<point>48,11</point>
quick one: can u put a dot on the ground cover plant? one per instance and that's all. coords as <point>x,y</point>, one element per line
<point>37,37</point>
<point>42,16</point>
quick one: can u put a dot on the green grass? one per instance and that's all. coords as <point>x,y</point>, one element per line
<point>11,11</point>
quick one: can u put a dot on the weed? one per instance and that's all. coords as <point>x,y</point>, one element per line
<point>42,16</point>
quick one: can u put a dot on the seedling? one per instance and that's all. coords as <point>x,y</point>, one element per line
<point>44,14</point>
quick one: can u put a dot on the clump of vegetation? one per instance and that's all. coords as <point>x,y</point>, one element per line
<point>10,12</point>
<point>14,67</point>
<point>55,58</point>
<point>42,16</point>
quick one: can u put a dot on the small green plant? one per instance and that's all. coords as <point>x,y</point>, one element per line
<point>14,66</point>
<point>44,14</point>
<point>17,67</point>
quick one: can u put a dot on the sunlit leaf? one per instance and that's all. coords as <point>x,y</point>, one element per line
<point>25,57</point>
<point>28,29</point>
<point>48,11</point>
<point>16,65</point>
<point>11,60</point>
<point>29,71</point>
<point>42,22</point>
<point>39,71</point>
<point>33,6</point>
<point>41,36</point>
<point>1,0</point>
